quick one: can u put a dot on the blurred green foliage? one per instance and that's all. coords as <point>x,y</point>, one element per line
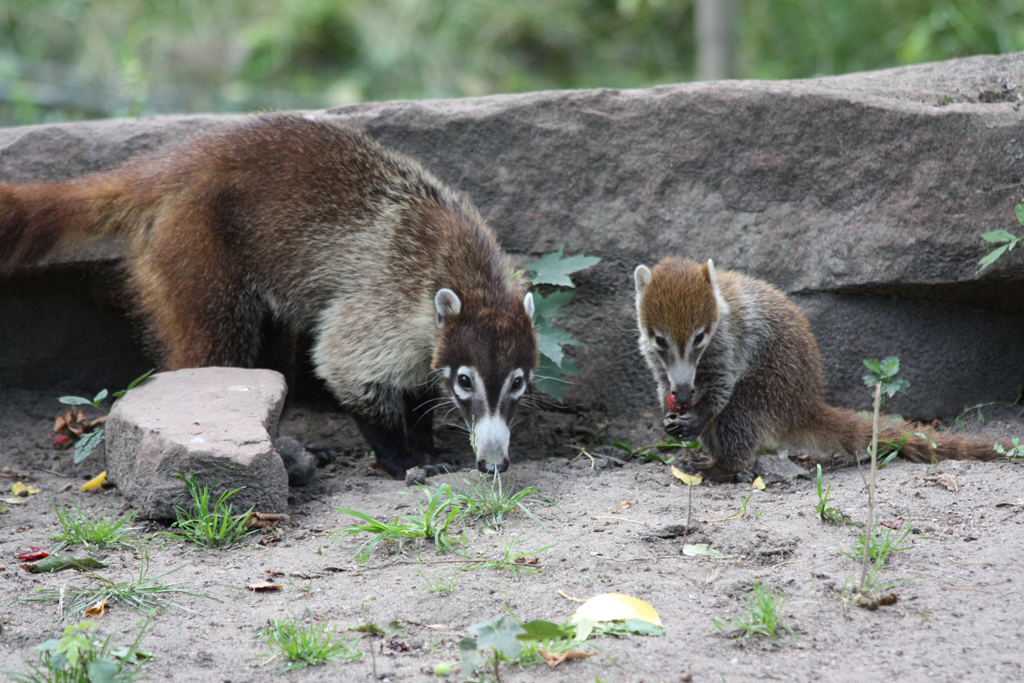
<point>68,59</point>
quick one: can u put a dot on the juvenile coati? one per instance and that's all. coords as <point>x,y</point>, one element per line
<point>313,226</point>
<point>737,363</point>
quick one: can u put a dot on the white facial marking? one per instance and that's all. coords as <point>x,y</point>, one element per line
<point>490,437</point>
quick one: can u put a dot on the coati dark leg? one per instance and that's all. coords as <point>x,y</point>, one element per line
<point>390,443</point>
<point>731,443</point>
<point>419,421</point>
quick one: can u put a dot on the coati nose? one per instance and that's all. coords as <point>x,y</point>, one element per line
<point>489,468</point>
<point>681,396</point>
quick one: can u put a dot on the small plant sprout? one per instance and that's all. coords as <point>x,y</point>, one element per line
<point>827,513</point>
<point>307,644</point>
<point>1004,238</point>
<point>490,499</point>
<point>554,270</point>
<point>90,432</point>
<point>79,656</point>
<point>958,421</point>
<point>209,523</point>
<point>78,528</point>
<point>1011,454</point>
<point>763,615</point>
<point>883,373</point>
<point>882,544</point>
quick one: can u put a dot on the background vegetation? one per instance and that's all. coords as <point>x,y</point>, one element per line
<point>70,59</point>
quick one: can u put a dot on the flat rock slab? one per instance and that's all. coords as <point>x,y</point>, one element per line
<point>217,423</point>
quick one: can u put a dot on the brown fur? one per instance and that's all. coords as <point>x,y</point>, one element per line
<point>307,224</point>
<point>759,380</point>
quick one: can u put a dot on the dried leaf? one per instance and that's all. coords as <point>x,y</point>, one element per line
<point>624,505</point>
<point>264,520</point>
<point>553,659</point>
<point>95,482</point>
<point>947,479</point>
<point>688,479</point>
<point>615,607</point>
<point>16,501</point>
<point>264,586</point>
<point>758,484</point>
<point>97,609</point>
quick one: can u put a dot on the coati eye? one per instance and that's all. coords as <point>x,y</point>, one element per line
<point>698,338</point>
<point>517,383</point>
<point>660,342</point>
<point>465,382</point>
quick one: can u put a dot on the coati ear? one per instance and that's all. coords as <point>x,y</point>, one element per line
<point>709,269</point>
<point>642,277</point>
<point>447,304</point>
<point>528,304</point>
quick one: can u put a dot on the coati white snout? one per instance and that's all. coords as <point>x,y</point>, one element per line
<point>315,228</point>
<point>737,362</point>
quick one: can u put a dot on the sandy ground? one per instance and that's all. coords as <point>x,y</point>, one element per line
<point>960,584</point>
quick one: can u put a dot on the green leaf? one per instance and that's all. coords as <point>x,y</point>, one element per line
<point>569,368</point>
<point>469,656</point>
<point>549,380</point>
<point>74,401</point>
<point>57,563</point>
<point>550,307</point>
<point>102,671</point>
<point>88,443</point>
<point>584,627</point>
<point>1019,210</point>
<point>992,256</point>
<point>498,634</point>
<point>538,629</point>
<point>999,236</point>
<point>552,269</point>
<point>99,397</point>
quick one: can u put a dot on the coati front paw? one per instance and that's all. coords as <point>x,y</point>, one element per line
<point>702,461</point>
<point>686,426</point>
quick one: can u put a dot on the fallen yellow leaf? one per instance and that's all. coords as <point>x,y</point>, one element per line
<point>759,484</point>
<point>616,607</point>
<point>96,610</point>
<point>95,482</point>
<point>22,490</point>
<point>688,479</point>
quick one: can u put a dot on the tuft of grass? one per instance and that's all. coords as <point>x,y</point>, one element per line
<point>430,522</point>
<point>490,500</point>
<point>78,528</point>
<point>439,585</point>
<point>881,545</point>
<point>206,526</point>
<point>140,591</point>
<point>1012,454</point>
<point>827,513</point>
<point>81,657</point>
<point>763,615</point>
<point>307,644</point>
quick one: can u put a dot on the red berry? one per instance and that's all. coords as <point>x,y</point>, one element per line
<point>61,441</point>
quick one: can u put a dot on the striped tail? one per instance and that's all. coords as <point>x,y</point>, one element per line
<point>837,429</point>
<point>39,218</point>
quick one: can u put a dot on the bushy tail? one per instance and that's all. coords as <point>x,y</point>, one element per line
<point>38,218</point>
<point>837,429</point>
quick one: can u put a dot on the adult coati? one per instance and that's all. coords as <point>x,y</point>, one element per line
<point>316,227</point>
<point>737,363</point>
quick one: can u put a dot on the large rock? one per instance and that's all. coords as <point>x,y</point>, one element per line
<point>863,196</point>
<point>217,423</point>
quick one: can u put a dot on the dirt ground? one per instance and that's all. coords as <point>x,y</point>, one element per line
<point>958,615</point>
